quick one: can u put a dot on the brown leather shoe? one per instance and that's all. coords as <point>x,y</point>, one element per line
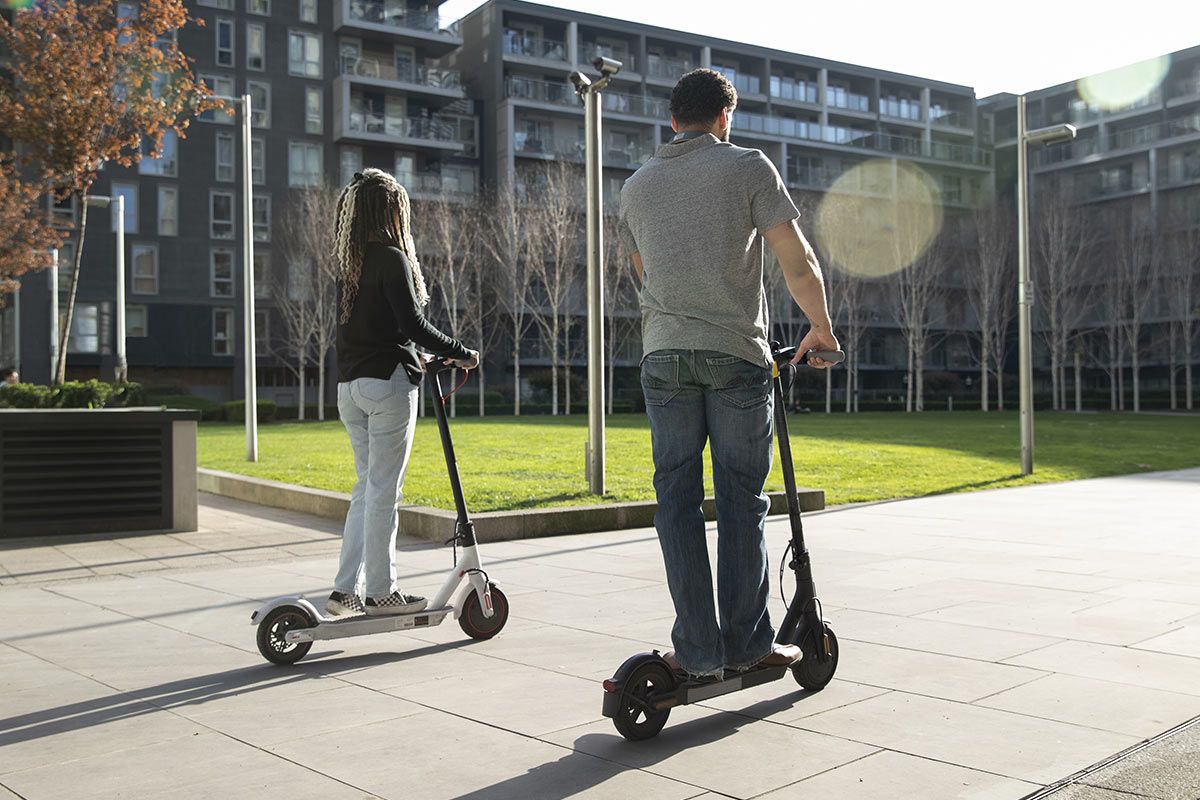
<point>782,655</point>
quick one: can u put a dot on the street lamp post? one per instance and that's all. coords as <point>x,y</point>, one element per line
<point>118,202</point>
<point>53,312</point>
<point>249,348</point>
<point>589,92</point>
<point>1050,135</point>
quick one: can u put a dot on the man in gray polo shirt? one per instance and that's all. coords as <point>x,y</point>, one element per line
<point>694,218</point>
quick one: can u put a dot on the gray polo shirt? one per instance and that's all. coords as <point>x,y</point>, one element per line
<point>694,212</point>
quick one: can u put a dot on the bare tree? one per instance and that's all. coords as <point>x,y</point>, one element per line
<point>1136,261</point>
<point>504,237</point>
<point>1062,238</point>
<point>918,291</point>
<point>990,291</point>
<point>1182,284</point>
<point>448,233</point>
<point>620,301</point>
<point>308,248</point>
<point>553,247</point>
<point>293,300</point>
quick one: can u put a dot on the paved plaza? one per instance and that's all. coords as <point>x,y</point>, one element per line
<point>992,644</point>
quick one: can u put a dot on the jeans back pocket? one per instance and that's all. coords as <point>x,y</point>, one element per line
<point>739,382</point>
<point>660,378</point>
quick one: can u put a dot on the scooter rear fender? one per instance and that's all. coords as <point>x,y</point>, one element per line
<point>300,601</point>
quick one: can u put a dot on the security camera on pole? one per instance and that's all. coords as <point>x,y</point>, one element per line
<point>1050,135</point>
<point>589,92</point>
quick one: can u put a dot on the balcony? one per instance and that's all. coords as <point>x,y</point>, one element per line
<point>665,68</point>
<point>1067,151</point>
<point>900,108</point>
<point>379,126</point>
<point>636,105</point>
<point>793,91</point>
<point>1185,88</point>
<point>590,51</point>
<point>745,84</point>
<point>446,82</point>
<point>1156,132</point>
<point>950,119</point>
<point>1126,184</point>
<point>542,92</point>
<point>808,176</point>
<point>453,184</point>
<point>518,43</point>
<point>775,126</point>
<point>629,155</point>
<point>837,97</point>
<point>395,18</point>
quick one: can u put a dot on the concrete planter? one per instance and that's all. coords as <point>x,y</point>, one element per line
<point>68,471</point>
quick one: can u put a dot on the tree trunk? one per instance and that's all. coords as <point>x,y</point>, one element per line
<point>453,397</point>
<point>608,389</point>
<point>64,328</point>
<point>421,399</point>
<point>554,367</point>
<point>1187,370</point>
<point>1054,394</point>
<point>828,391</point>
<point>849,388</point>
<point>567,368</point>
<point>1112,372</point>
<point>1173,369</point>
<point>516,367</point>
<point>482,386</point>
<point>909,384</point>
<point>1137,383</point>
<point>857,385</point>
<point>321,385</point>
<point>983,379</point>
<point>920,369</point>
<point>1000,390</point>
<point>300,372</point>
<point>1120,377</point>
<point>1078,382</point>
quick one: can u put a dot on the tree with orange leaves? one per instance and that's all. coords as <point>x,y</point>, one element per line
<point>26,235</point>
<point>86,85</point>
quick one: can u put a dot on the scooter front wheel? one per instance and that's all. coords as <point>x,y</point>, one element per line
<point>272,633</point>
<point>636,719</point>
<point>472,620</point>
<point>812,673</point>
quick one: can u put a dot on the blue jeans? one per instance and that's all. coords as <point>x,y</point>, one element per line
<point>379,414</point>
<point>693,396</point>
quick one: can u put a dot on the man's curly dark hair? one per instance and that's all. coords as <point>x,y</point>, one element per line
<point>701,96</point>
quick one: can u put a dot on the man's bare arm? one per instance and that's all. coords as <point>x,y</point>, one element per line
<point>802,272</point>
<point>638,268</point>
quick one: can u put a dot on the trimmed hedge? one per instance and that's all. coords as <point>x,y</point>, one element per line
<point>72,394</point>
<point>235,411</point>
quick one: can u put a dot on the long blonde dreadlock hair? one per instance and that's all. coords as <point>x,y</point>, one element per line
<point>374,204</point>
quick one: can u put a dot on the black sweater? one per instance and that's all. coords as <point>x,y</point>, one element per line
<point>386,324</point>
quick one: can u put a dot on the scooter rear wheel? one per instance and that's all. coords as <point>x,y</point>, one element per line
<point>472,620</point>
<point>272,632</point>
<point>634,720</point>
<point>811,673</point>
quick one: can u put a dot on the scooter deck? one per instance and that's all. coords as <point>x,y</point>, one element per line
<point>696,691</point>
<point>361,625</point>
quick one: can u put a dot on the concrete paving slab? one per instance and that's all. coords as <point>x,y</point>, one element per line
<point>1170,673</point>
<point>1184,641</point>
<point>933,636</point>
<point>1013,745</point>
<point>888,775</point>
<point>784,702</point>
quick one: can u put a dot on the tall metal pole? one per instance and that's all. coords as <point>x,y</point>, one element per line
<point>595,294</point>
<point>53,312</point>
<point>122,362</point>
<point>251,378</point>
<point>1024,295</point>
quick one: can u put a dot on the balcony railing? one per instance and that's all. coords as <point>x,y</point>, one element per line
<point>796,91</point>
<point>433,129</point>
<point>1185,87</point>
<point>776,126</point>
<point>379,12</point>
<point>522,44</point>
<point>900,108</point>
<point>837,97</point>
<point>458,183</point>
<point>747,84</point>
<point>591,50</point>
<point>666,68</point>
<point>383,70</point>
<point>1067,151</point>
<point>623,155</point>
<point>1145,134</point>
<point>941,116</point>
<point>1108,188</point>
<point>637,105</point>
<point>542,91</point>
<point>821,177</point>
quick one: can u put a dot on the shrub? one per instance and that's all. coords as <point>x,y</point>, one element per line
<point>235,411</point>
<point>24,395</point>
<point>210,410</point>
<point>128,395</point>
<point>81,394</point>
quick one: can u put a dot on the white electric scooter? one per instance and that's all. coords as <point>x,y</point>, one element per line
<point>287,626</point>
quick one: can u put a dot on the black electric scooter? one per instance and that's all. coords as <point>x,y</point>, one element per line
<point>640,696</point>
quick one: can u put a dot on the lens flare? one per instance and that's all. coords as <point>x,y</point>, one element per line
<point>1124,86</point>
<point>878,218</point>
<point>16,4</point>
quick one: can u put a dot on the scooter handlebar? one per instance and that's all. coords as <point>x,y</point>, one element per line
<point>784,355</point>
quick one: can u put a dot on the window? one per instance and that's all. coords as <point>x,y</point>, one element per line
<point>308,10</point>
<point>222,85</point>
<point>304,54</point>
<point>85,329</point>
<point>224,39</point>
<point>220,215</point>
<point>262,7</point>
<point>221,272</point>
<point>168,211</point>
<point>222,331</point>
<point>262,217</point>
<point>304,164</point>
<point>258,162</point>
<point>144,269</point>
<point>129,192</point>
<point>263,280</point>
<point>256,46</point>
<point>62,212</point>
<point>313,117</point>
<point>227,5</point>
<point>164,165</point>
<point>225,156</point>
<point>135,322</point>
<point>405,169</point>
<point>260,103</point>
<point>351,163</point>
<point>262,332</point>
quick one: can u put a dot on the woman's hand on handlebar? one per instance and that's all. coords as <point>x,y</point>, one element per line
<point>816,339</point>
<point>470,362</point>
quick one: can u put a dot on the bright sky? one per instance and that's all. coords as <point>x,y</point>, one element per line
<point>1008,46</point>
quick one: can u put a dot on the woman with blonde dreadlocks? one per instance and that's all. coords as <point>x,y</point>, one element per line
<point>381,294</point>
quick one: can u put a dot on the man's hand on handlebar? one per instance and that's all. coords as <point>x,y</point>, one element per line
<point>470,362</point>
<point>816,339</point>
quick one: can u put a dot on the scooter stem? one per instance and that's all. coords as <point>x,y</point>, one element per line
<point>464,529</point>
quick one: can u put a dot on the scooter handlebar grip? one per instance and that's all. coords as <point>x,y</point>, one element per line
<point>832,356</point>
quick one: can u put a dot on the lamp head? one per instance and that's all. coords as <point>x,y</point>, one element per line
<point>1051,135</point>
<point>607,66</point>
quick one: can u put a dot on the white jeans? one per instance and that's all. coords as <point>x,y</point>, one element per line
<point>380,415</point>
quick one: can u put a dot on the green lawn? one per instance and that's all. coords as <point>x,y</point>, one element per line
<point>524,462</point>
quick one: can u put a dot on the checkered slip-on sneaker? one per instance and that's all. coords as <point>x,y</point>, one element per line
<point>341,604</point>
<point>394,603</point>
